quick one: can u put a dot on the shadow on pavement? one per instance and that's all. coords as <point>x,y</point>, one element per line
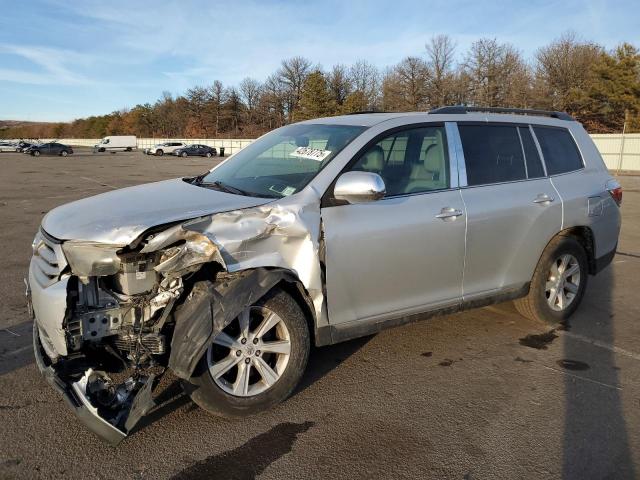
<point>596,443</point>
<point>321,362</point>
<point>16,347</point>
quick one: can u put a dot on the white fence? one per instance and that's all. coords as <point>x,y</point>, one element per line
<point>230,146</point>
<point>619,153</point>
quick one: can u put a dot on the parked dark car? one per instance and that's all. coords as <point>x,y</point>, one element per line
<point>50,149</point>
<point>22,146</point>
<point>199,150</point>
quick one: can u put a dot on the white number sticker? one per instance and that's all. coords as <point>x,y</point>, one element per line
<point>311,153</point>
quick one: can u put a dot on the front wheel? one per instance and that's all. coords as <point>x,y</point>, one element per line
<point>160,152</point>
<point>256,361</point>
<point>64,153</point>
<point>35,153</point>
<point>184,155</point>
<point>558,283</point>
<point>208,155</point>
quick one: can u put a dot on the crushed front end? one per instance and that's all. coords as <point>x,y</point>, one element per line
<point>109,318</point>
<point>102,320</point>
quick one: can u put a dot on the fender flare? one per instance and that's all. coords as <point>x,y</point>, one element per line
<point>211,306</point>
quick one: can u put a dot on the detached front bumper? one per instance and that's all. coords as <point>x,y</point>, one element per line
<point>74,397</point>
<point>70,378</point>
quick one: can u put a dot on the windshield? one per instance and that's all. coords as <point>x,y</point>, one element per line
<point>282,162</point>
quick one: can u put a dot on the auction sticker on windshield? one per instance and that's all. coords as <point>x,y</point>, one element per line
<point>311,153</point>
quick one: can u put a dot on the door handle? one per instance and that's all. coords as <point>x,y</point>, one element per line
<point>449,214</point>
<point>543,199</point>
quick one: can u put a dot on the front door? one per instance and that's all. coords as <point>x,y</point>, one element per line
<point>404,253</point>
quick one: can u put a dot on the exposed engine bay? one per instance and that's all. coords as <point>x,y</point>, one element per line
<point>132,311</point>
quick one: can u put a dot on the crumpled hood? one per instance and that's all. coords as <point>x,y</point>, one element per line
<point>120,216</point>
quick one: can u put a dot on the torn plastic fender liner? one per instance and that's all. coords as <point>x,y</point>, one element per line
<point>210,307</point>
<point>74,394</point>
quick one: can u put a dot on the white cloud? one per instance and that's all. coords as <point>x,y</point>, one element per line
<point>54,65</point>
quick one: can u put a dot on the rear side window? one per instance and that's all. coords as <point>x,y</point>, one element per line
<point>558,149</point>
<point>492,154</point>
<point>534,165</point>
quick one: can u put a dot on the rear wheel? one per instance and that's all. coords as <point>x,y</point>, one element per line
<point>256,361</point>
<point>558,283</point>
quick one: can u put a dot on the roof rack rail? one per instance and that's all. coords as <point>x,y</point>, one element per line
<point>460,109</point>
<point>363,112</point>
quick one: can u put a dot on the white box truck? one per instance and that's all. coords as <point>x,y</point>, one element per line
<point>115,143</point>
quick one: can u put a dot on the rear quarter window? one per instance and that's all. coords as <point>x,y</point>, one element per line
<point>559,150</point>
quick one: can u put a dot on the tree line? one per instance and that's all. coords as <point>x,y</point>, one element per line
<point>600,87</point>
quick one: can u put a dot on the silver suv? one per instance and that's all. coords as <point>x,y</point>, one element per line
<point>316,233</point>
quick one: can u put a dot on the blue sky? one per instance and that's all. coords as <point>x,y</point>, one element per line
<point>61,60</point>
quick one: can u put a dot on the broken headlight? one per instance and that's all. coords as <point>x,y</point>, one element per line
<point>90,259</point>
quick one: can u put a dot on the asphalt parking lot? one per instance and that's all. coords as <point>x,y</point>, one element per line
<point>477,395</point>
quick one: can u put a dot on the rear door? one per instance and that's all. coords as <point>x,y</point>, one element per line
<point>404,253</point>
<point>513,209</point>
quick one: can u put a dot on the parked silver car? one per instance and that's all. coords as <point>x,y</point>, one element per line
<point>316,233</point>
<point>161,148</point>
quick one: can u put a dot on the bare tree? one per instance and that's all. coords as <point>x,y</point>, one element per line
<point>250,90</point>
<point>217,97</point>
<point>292,74</point>
<point>495,75</point>
<point>442,79</point>
<point>339,84</point>
<point>405,86</point>
<point>365,79</point>
<point>272,104</point>
<point>562,70</point>
<point>198,98</point>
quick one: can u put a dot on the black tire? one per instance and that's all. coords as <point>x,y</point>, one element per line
<point>160,152</point>
<point>101,149</point>
<point>184,154</point>
<point>208,155</point>
<point>35,153</point>
<point>128,149</point>
<point>64,153</point>
<point>209,396</point>
<point>535,305</point>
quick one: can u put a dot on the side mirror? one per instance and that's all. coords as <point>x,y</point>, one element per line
<point>359,187</point>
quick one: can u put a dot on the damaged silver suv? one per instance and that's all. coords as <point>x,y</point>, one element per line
<point>316,233</point>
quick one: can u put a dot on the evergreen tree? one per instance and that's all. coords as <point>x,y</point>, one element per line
<point>315,98</point>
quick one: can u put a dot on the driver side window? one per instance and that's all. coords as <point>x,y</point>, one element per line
<point>409,161</point>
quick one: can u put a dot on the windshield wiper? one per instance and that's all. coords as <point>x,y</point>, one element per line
<point>225,188</point>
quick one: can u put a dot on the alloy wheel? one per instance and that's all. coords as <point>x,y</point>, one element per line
<point>563,282</point>
<point>250,355</point>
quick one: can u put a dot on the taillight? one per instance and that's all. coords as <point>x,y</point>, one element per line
<point>615,190</point>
